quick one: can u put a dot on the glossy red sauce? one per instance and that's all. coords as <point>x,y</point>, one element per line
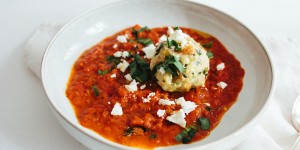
<point>94,112</point>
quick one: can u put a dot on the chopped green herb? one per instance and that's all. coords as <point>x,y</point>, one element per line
<point>170,65</point>
<point>102,72</point>
<point>145,41</point>
<point>128,131</point>
<point>205,71</point>
<point>173,43</point>
<point>152,136</point>
<point>210,54</point>
<point>186,135</point>
<point>112,59</point>
<point>136,32</point>
<point>159,48</point>
<point>204,123</point>
<point>208,108</point>
<point>96,90</point>
<point>176,28</point>
<point>207,45</point>
<point>130,40</point>
<point>139,69</point>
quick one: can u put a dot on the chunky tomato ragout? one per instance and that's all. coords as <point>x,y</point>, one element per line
<point>96,85</point>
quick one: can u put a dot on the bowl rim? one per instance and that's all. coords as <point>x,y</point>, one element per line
<point>239,131</point>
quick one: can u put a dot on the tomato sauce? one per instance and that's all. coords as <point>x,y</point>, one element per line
<point>93,110</point>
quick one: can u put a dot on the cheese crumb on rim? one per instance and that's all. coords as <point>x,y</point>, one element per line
<point>117,110</point>
<point>121,39</point>
<point>132,86</point>
<point>149,51</point>
<point>178,118</point>
<point>222,85</point>
<point>161,113</point>
<point>165,102</point>
<point>220,66</point>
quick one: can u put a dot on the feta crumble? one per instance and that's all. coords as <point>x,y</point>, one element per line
<point>165,102</point>
<point>160,113</point>
<point>121,39</point>
<point>143,87</point>
<point>125,54</point>
<point>118,54</point>
<point>147,100</point>
<point>222,85</point>
<point>186,106</point>
<point>113,76</point>
<point>132,86</point>
<point>220,66</point>
<point>170,30</point>
<point>117,110</point>
<point>149,51</point>
<point>115,46</point>
<point>128,77</point>
<point>123,65</point>
<point>162,38</point>
<point>178,118</point>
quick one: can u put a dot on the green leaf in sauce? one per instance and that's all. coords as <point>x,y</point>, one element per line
<point>210,54</point>
<point>207,45</point>
<point>145,41</point>
<point>96,90</point>
<point>208,108</point>
<point>136,32</point>
<point>187,134</point>
<point>139,69</point>
<point>204,123</point>
<point>102,72</point>
<point>152,136</point>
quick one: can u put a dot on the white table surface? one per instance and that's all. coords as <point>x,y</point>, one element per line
<point>26,121</point>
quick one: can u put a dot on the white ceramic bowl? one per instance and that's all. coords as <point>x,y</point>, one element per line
<point>91,27</point>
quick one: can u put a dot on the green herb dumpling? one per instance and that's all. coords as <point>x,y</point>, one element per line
<point>179,63</point>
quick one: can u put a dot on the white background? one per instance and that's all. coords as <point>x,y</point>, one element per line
<point>25,118</point>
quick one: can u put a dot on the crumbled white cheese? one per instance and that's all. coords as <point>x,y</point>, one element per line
<point>162,38</point>
<point>117,110</point>
<point>207,104</point>
<point>179,37</point>
<point>128,77</point>
<point>147,100</point>
<point>118,54</point>
<point>125,54</point>
<point>123,65</point>
<point>132,86</point>
<point>222,85</point>
<point>220,66</point>
<point>162,70</point>
<point>165,102</point>
<point>149,51</point>
<point>170,30</point>
<point>186,106</point>
<point>160,113</point>
<point>180,100</point>
<point>121,39</point>
<point>113,75</point>
<point>115,46</point>
<point>178,118</point>
<point>143,86</point>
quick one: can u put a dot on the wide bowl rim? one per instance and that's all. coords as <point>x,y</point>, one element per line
<point>239,131</point>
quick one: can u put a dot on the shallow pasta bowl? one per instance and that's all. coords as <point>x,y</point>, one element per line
<point>94,25</point>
